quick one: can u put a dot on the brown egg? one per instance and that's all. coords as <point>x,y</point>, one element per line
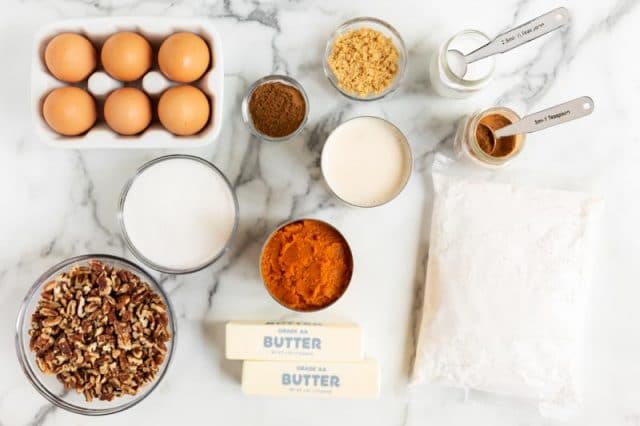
<point>70,57</point>
<point>126,56</point>
<point>184,57</point>
<point>127,111</point>
<point>69,111</point>
<point>183,110</point>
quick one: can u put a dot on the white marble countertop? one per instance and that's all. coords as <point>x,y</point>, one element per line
<point>56,203</point>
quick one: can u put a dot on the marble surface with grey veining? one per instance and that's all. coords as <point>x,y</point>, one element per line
<point>58,203</point>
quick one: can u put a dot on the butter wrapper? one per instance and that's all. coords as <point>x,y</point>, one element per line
<point>311,379</point>
<point>286,341</point>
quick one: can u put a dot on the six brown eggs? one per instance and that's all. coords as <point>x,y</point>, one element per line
<point>183,109</point>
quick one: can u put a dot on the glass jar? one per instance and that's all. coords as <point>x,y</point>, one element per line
<point>466,143</point>
<point>445,82</point>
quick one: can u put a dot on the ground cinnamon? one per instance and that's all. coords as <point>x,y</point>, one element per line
<point>277,109</point>
<point>500,147</point>
<point>306,265</point>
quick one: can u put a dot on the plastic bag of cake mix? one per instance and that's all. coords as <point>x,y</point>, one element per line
<point>507,285</point>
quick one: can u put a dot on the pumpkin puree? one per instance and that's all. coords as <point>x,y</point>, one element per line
<point>306,265</point>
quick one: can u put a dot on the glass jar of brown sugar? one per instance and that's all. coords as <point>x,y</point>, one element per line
<point>474,139</point>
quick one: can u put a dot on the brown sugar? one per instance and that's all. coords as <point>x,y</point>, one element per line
<point>306,265</point>
<point>277,109</point>
<point>500,147</point>
<point>364,61</point>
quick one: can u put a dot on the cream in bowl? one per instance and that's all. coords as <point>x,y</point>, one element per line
<point>366,161</point>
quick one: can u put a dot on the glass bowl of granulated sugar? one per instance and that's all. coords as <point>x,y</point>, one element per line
<point>178,214</point>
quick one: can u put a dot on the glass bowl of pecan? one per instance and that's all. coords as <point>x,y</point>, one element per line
<point>95,334</point>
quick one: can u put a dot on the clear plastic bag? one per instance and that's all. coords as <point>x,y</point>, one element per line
<point>508,283</point>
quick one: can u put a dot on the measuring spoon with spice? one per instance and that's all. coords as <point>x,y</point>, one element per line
<point>511,39</point>
<point>496,134</point>
<point>275,108</point>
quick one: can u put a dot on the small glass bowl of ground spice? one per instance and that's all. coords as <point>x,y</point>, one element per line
<point>475,141</point>
<point>365,59</point>
<point>275,108</point>
<point>306,265</point>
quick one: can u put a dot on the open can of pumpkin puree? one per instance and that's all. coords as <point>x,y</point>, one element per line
<point>306,265</point>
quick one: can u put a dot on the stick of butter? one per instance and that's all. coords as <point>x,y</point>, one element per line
<point>312,379</point>
<point>280,341</point>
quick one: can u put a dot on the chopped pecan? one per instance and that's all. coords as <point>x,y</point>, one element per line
<point>48,312</point>
<point>100,330</point>
<point>105,285</point>
<point>52,321</point>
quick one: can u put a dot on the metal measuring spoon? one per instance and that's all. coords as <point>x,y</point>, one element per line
<point>511,39</point>
<point>559,114</point>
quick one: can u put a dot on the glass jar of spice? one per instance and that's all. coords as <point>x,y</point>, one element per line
<point>445,81</point>
<point>275,108</point>
<point>474,138</point>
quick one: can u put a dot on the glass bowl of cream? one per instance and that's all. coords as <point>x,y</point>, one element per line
<point>366,161</point>
<point>178,214</point>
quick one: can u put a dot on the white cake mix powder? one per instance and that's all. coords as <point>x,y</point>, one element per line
<point>508,280</point>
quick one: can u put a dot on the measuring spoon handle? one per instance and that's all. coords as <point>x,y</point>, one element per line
<point>522,34</point>
<point>568,111</point>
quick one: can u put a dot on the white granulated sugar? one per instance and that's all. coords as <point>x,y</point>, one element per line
<point>179,213</point>
<point>508,280</point>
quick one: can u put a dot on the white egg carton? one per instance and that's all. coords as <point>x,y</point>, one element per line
<point>99,84</point>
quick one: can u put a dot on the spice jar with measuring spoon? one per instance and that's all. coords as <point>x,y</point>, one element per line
<point>456,74</point>
<point>493,137</point>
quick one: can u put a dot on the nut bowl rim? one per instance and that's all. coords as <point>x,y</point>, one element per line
<point>34,377</point>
